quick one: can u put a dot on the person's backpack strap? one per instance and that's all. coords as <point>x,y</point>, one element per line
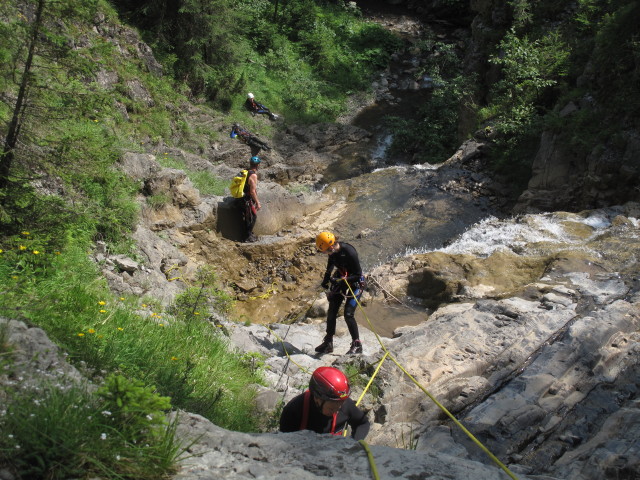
<point>245,186</point>
<point>305,410</point>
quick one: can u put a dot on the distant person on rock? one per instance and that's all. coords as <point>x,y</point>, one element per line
<point>344,259</point>
<point>325,407</point>
<point>257,108</point>
<point>249,204</point>
<point>248,138</point>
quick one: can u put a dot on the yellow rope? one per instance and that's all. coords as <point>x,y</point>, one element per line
<point>264,296</point>
<point>369,384</point>
<point>372,462</point>
<point>175,266</point>
<point>287,353</point>
<point>442,407</point>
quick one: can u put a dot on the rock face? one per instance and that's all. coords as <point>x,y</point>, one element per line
<point>305,455</point>
<point>609,175</point>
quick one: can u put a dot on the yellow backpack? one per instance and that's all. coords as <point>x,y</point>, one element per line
<point>237,184</point>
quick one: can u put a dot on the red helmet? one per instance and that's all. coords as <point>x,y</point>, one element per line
<point>328,383</point>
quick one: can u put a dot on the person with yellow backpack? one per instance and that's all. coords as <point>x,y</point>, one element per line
<point>244,188</point>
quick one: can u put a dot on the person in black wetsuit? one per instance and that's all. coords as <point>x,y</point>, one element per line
<point>347,283</point>
<point>325,407</point>
<point>248,138</point>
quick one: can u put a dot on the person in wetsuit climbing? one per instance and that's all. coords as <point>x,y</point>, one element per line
<point>325,407</point>
<point>347,283</point>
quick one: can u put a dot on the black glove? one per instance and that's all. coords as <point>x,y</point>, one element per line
<point>325,285</point>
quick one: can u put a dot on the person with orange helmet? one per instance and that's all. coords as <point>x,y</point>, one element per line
<point>325,407</point>
<point>347,283</point>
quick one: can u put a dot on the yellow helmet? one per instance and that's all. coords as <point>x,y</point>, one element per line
<point>324,240</point>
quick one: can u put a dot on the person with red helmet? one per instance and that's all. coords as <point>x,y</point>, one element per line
<point>325,407</point>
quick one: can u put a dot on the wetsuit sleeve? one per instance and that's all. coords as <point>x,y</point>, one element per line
<point>291,415</point>
<point>327,273</point>
<point>358,421</point>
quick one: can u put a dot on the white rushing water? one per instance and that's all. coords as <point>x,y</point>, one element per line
<point>516,233</point>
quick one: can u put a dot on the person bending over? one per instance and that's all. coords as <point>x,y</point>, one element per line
<point>347,283</point>
<point>325,407</point>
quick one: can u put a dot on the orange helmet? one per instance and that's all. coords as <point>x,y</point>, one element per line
<point>324,240</point>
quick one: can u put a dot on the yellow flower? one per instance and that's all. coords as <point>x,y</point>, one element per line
<point>14,277</point>
<point>161,324</point>
<point>22,247</point>
<point>103,311</point>
<point>100,336</point>
<point>91,330</point>
<point>36,252</point>
<point>174,358</point>
<point>120,328</point>
<point>25,233</point>
<point>81,334</point>
<point>196,313</point>
<point>144,305</point>
<point>102,302</point>
<point>57,253</point>
<point>1,250</point>
<point>122,298</point>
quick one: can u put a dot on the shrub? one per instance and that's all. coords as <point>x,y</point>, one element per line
<point>65,431</point>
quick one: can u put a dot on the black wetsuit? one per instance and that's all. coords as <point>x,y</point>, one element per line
<point>347,264</point>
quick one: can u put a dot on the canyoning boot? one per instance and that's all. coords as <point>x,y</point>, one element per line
<point>356,347</point>
<point>325,347</point>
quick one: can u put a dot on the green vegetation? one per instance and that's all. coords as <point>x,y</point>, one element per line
<point>302,59</point>
<point>181,353</point>
<point>59,431</point>
<point>360,375</point>
<point>549,48</point>
<point>432,135</point>
<point>204,181</point>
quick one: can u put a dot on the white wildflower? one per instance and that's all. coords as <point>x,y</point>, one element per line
<point>106,413</point>
<point>103,436</point>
